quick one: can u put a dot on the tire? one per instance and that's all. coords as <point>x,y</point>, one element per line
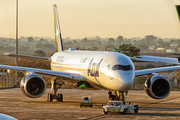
<point>50,97</point>
<point>136,108</point>
<point>61,97</point>
<point>125,111</point>
<point>105,111</point>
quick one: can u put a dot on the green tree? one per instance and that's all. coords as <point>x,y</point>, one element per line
<point>119,39</point>
<point>177,76</point>
<point>48,46</point>
<point>37,46</point>
<point>172,41</point>
<point>160,42</point>
<point>30,39</point>
<point>97,38</point>
<point>42,40</point>
<point>129,49</point>
<point>150,38</point>
<point>167,45</point>
<point>68,43</point>
<point>85,40</point>
<point>143,47</point>
<point>39,53</point>
<point>94,48</point>
<point>74,41</point>
<point>109,47</point>
<point>111,40</point>
<point>140,80</point>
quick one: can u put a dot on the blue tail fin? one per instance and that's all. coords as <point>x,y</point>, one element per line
<point>58,38</point>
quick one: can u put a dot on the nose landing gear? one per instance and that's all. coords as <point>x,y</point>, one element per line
<point>119,96</point>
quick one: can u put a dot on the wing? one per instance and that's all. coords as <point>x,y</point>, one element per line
<point>28,57</point>
<point>155,59</point>
<point>69,77</point>
<point>155,70</point>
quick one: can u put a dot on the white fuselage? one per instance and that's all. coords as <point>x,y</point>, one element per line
<point>110,70</point>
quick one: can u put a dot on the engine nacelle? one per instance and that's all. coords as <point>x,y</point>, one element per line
<point>33,85</point>
<point>157,86</point>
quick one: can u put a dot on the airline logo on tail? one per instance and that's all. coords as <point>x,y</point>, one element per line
<point>58,39</point>
<point>56,34</point>
<point>178,11</point>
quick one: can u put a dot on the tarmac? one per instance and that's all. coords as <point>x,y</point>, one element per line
<point>14,103</point>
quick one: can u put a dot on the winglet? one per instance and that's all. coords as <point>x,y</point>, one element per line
<point>58,38</point>
<point>116,50</point>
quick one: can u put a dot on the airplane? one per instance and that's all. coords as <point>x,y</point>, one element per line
<point>6,117</point>
<point>91,70</point>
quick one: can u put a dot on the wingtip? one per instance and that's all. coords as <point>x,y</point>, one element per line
<point>6,54</point>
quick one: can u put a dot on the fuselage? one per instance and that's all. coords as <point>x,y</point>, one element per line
<point>110,70</point>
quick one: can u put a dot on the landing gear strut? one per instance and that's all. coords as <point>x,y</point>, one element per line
<point>117,96</point>
<point>54,88</point>
<point>121,96</point>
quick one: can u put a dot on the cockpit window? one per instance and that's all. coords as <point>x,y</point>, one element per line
<point>122,67</point>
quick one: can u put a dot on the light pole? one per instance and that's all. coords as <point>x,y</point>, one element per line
<point>16,50</point>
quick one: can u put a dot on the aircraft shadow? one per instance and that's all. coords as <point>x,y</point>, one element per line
<point>156,114</point>
<point>103,116</point>
<point>159,108</point>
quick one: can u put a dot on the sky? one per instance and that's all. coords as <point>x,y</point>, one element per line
<point>88,18</point>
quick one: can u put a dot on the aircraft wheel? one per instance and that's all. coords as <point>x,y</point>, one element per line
<point>105,111</point>
<point>60,97</point>
<point>136,108</point>
<point>125,111</point>
<point>50,97</point>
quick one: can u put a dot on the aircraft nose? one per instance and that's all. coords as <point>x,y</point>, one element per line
<point>126,85</point>
<point>126,80</point>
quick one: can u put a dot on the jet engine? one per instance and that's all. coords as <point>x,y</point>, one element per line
<point>157,86</point>
<point>33,85</point>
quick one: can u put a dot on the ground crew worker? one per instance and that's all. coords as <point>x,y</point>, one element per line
<point>110,95</point>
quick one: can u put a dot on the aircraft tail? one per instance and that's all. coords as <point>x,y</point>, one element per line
<point>58,38</point>
<point>178,11</point>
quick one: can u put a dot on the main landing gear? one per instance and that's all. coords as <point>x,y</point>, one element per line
<point>54,88</point>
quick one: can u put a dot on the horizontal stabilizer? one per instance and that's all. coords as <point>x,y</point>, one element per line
<point>28,57</point>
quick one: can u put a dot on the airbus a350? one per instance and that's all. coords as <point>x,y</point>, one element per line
<point>96,70</point>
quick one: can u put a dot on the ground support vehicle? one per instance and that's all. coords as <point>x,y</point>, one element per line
<point>86,101</point>
<point>119,107</point>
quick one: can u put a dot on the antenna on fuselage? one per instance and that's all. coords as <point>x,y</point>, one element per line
<point>58,38</point>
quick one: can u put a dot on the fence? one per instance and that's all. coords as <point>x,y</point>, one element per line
<point>7,80</point>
